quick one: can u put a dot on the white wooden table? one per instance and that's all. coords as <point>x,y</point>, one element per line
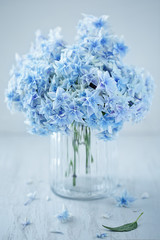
<point>27,157</point>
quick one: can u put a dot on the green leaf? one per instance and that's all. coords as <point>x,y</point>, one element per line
<point>126,227</point>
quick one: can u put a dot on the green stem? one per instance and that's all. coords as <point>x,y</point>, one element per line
<point>87,143</point>
<point>139,216</point>
<point>78,131</point>
<point>74,162</point>
<point>74,169</point>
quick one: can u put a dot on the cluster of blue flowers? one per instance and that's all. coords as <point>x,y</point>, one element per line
<point>56,84</point>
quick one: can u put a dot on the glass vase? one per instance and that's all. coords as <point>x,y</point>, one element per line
<point>81,165</point>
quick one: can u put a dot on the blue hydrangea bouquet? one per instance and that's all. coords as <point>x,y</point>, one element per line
<point>83,88</point>
<point>57,85</point>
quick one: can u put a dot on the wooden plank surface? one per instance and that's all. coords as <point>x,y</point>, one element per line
<point>27,157</point>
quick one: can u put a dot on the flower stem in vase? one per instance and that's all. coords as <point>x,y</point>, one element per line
<point>78,132</point>
<point>87,139</point>
<point>75,148</point>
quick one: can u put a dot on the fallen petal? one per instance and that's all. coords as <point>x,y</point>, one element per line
<point>107,215</point>
<point>26,223</point>
<point>48,198</point>
<point>32,197</point>
<point>102,235</point>
<point>29,182</point>
<point>65,216</point>
<point>145,195</point>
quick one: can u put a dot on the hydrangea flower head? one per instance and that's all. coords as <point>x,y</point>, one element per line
<point>124,200</point>
<point>56,85</point>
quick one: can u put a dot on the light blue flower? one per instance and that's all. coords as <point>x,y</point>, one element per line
<point>92,101</point>
<point>60,98</point>
<point>124,200</point>
<point>75,113</point>
<point>105,135</point>
<point>99,23</point>
<point>121,48</point>
<point>106,83</point>
<point>65,216</point>
<point>92,122</point>
<point>60,118</point>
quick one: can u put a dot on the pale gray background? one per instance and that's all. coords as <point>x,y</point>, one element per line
<point>138,21</point>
